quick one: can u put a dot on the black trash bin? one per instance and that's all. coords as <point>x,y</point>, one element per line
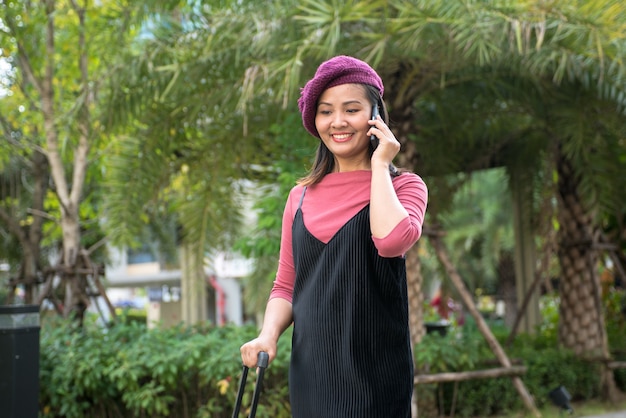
<point>19,361</point>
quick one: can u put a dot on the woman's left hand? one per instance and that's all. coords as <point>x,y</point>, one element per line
<point>388,146</point>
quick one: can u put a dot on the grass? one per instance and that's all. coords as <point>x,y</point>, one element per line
<point>581,410</point>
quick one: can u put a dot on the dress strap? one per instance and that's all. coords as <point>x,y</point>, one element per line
<point>302,197</point>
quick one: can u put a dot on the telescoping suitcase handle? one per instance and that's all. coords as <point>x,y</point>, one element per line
<point>262,362</point>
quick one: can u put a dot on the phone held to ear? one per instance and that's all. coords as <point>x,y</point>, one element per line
<point>373,139</point>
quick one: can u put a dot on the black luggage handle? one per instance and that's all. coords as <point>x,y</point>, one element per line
<point>262,362</point>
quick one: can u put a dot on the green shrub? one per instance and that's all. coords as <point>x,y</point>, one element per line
<point>466,349</point>
<point>130,371</point>
<point>615,302</point>
<point>131,314</point>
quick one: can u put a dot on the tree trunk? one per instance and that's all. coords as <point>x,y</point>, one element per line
<point>76,299</point>
<point>408,159</point>
<point>27,226</point>
<point>415,282</point>
<point>193,286</point>
<point>506,287</point>
<point>416,309</point>
<point>35,233</point>
<point>69,192</point>
<point>581,314</point>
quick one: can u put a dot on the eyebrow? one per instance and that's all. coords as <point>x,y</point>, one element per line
<point>346,103</point>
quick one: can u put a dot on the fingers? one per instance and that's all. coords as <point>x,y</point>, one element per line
<point>388,145</point>
<point>250,352</point>
<point>378,123</point>
<point>381,130</point>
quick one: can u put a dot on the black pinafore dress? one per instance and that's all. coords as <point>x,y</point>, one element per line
<point>351,355</point>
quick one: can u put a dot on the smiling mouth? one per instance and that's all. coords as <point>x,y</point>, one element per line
<point>341,137</point>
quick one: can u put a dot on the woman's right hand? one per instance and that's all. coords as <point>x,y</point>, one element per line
<point>278,316</point>
<point>250,351</point>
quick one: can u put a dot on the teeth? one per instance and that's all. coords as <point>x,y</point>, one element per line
<point>342,136</point>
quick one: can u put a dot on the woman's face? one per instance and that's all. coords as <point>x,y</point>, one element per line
<point>341,120</point>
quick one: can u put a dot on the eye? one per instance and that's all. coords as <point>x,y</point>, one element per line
<point>323,112</point>
<point>353,110</point>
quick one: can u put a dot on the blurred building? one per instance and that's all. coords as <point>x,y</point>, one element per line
<point>137,280</point>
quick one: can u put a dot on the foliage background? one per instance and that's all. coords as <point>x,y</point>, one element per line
<point>168,156</point>
<point>130,371</point>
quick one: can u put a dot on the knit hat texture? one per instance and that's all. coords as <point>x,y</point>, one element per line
<point>341,69</point>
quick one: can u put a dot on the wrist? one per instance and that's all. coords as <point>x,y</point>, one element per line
<point>271,335</point>
<point>380,166</point>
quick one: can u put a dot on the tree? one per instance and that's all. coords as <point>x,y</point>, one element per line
<point>544,61</point>
<point>471,85</point>
<point>58,51</point>
<point>24,187</point>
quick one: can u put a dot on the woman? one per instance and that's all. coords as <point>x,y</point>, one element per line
<point>341,276</point>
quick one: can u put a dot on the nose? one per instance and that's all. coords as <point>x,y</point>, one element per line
<point>338,120</point>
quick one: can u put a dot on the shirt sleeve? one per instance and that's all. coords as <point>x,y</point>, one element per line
<point>413,195</point>
<point>286,274</point>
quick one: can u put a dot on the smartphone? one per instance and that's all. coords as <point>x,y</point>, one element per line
<point>373,139</point>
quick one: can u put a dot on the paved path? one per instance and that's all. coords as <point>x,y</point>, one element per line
<point>619,414</point>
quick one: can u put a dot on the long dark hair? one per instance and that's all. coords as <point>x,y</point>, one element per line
<point>325,160</point>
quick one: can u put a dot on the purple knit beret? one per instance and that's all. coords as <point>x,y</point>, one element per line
<point>338,70</point>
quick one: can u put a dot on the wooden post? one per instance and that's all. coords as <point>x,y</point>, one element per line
<point>614,365</point>
<point>442,255</point>
<point>473,374</point>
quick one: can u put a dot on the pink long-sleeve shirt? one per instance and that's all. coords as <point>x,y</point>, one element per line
<point>328,205</point>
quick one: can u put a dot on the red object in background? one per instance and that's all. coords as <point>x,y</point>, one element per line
<point>445,309</point>
<point>221,301</point>
<point>442,308</point>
